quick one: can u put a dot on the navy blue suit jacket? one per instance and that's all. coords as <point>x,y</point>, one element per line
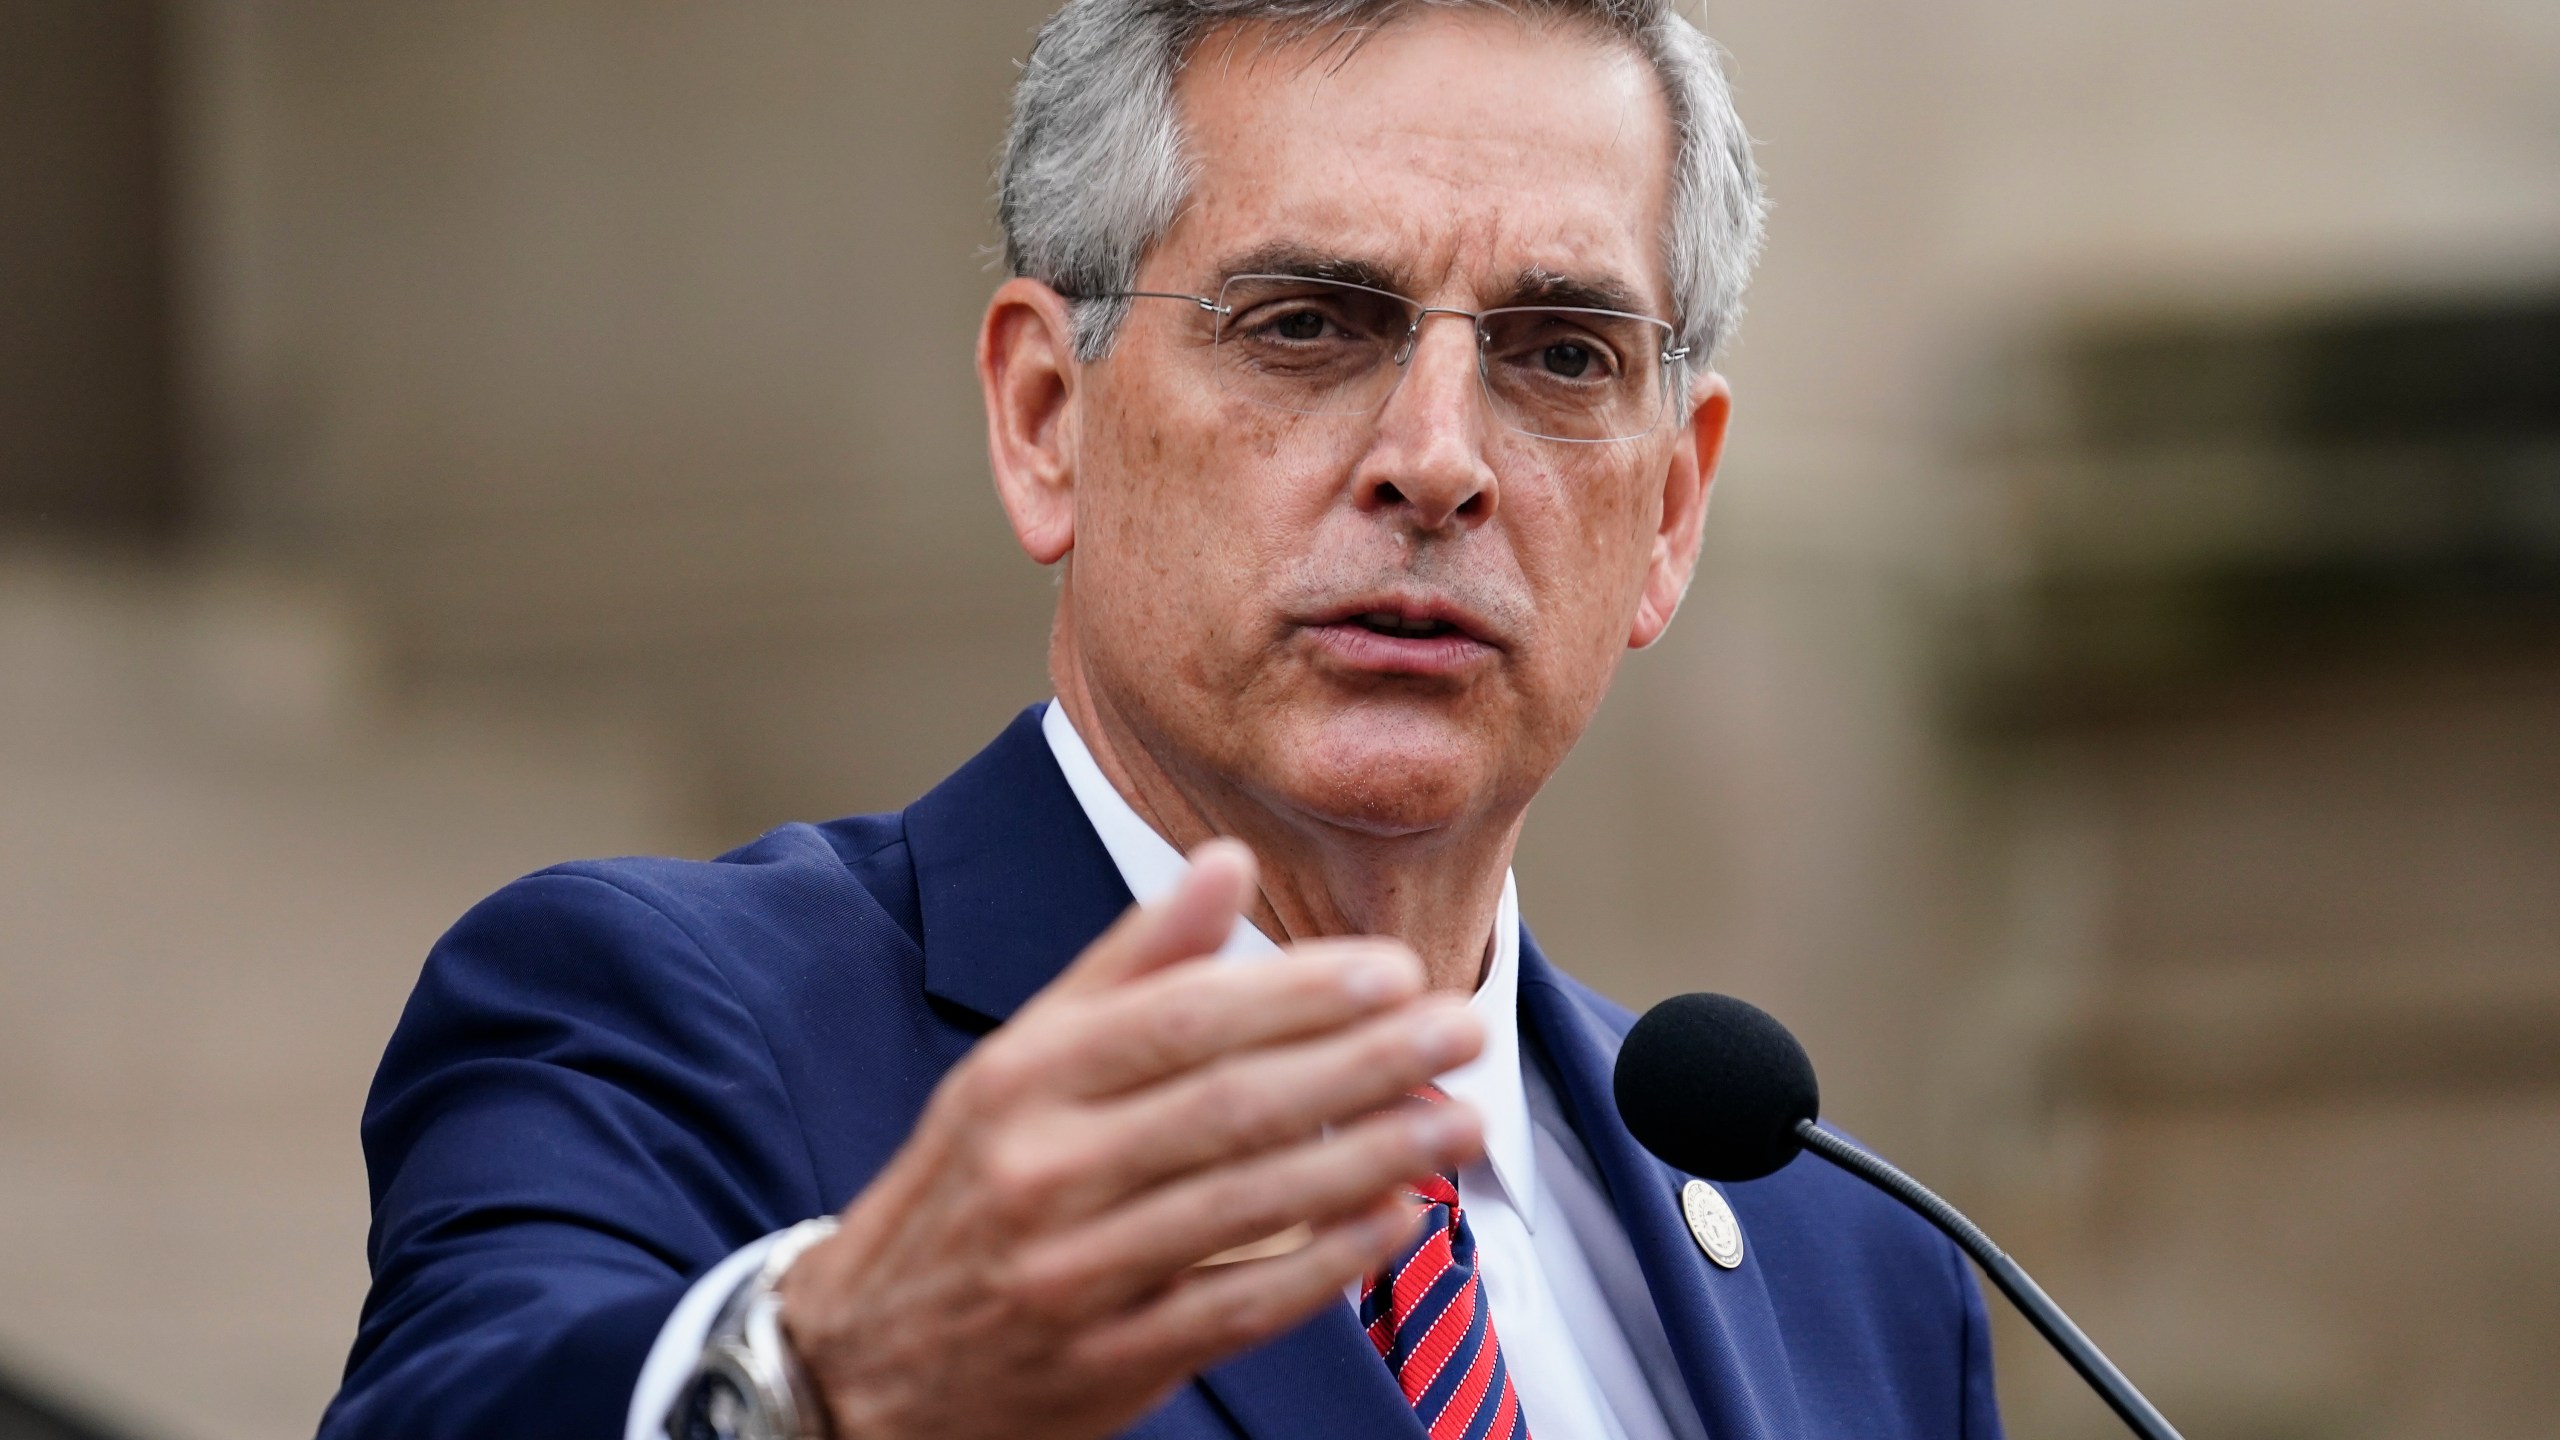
<point>614,1074</point>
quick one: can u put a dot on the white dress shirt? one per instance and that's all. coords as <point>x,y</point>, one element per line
<point>1569,1304</point>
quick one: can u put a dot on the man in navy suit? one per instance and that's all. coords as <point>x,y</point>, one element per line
<point>1353,374</point>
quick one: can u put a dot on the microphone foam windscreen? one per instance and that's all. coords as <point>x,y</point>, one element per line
<point>1715,1086</point>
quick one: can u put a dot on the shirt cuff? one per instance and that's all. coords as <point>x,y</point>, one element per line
<point>679,1344</point>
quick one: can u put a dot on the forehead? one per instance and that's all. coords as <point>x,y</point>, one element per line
<point>1458,152</point>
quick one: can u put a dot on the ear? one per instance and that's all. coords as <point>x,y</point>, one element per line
<point>1028,371</point>
<point>1694,459</point>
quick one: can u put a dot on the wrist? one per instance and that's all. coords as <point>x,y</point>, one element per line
<point>749,1383</point>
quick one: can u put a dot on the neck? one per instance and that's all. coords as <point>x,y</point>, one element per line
<point>1438,891</point>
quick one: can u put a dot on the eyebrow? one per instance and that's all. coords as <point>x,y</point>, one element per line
<point>1599,292</point>
<point>1533,286</point>
<point>1288,257</point>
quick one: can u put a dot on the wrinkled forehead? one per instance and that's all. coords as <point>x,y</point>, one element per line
<point>1465,157</point>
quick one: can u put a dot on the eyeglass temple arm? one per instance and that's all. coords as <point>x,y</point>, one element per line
<point>1203,301</point>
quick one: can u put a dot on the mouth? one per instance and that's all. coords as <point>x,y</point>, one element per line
<point>1400,636</point>
<point>1404,627</point>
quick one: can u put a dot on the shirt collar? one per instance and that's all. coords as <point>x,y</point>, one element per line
<point>1151,868</point>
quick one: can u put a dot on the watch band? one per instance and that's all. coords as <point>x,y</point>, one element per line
<point>748,1385</point>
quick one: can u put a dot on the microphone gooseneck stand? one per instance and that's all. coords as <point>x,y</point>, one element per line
<point>2014,1282</point>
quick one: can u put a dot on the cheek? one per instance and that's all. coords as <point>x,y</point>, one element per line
<point>1597,547</point>
<point>1177,522</point>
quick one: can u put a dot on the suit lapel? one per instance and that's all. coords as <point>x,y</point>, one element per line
<point>1011,880</point>
<point>1721,1323</point>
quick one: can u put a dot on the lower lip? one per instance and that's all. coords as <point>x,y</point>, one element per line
<point>1359,648</point>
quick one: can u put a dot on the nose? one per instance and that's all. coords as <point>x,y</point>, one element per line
<point>1426,467</point>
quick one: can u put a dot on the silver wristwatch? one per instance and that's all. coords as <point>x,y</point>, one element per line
<point>748,1384</point>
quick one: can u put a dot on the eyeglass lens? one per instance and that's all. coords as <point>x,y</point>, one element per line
<point>1324,347</point>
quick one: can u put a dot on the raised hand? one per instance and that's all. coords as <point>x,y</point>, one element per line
<point>1028,1264</point>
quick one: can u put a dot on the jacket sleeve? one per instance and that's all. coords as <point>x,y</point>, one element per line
<point>575,1116</point>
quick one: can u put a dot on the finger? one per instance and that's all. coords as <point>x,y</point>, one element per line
<point>1213,1314</point>
<point>1264,1099</point>
<point>1163,1024</point>
<point>1133,1250</point>
<point>1082,1160</point>
<point>1191,922</point>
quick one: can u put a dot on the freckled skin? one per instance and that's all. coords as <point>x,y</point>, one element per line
<point>1197,529</point>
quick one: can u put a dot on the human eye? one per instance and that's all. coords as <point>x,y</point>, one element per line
<point>1556,348</point>
<point>1571,359</point>
<point>1305,327</point>
<point>1299,322</point>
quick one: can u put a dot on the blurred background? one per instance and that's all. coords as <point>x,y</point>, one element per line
<point>2118,724</point>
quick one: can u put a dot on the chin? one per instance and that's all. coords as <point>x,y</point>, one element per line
<point>1386,772</point>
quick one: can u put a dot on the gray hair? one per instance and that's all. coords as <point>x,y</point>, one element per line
<point>1095,170</point>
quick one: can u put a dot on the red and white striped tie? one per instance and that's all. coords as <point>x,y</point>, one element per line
<point>1426,1312</point>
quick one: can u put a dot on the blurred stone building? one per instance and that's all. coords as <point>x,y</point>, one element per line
<point>2114,724</point>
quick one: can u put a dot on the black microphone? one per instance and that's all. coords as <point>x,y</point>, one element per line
<point>1717,1087</point>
